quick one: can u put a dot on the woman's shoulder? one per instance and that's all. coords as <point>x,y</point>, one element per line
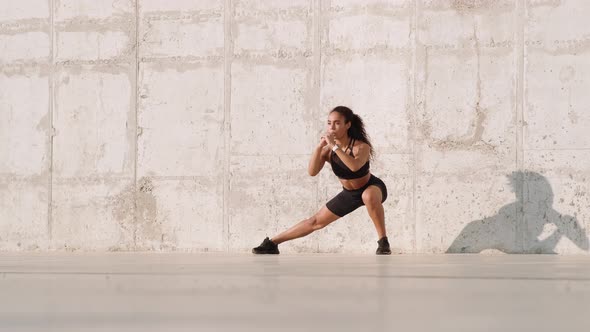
<point>360,147</point>
<point>359,144</point>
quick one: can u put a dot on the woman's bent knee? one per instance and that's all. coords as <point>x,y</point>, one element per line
<point>371,199</point>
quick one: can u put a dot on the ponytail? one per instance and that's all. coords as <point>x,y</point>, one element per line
<point>357,126</point>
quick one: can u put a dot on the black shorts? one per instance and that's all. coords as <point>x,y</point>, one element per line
<point>349,200</point>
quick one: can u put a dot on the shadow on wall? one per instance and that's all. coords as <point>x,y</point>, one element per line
<point>539,230</point>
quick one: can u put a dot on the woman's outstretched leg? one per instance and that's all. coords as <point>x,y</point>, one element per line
<point>318,221</point>
<point>305,227</point>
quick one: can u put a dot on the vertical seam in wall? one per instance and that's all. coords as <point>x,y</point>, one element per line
<point>413,116</point>
<point>520,12</point>
<point>51,128</point>
<point>227,62</point>
<point>317,82</point>
<point>136,137</point>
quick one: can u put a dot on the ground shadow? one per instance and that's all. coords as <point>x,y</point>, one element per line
<point>519,227</point>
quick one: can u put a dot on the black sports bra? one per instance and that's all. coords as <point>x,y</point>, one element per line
<point>342,171</point>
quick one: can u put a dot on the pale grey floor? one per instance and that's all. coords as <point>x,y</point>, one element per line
<point>219,292</point>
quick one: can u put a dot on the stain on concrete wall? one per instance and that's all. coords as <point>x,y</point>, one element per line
<point>187,125</point>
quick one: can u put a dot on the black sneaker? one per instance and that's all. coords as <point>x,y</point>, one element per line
<point>267,247</point>
<point>383,248</point>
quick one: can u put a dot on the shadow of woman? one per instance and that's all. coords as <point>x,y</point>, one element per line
<point>507,233</point>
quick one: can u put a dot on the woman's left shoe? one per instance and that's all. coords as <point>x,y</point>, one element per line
<point>267,247</point>
<point>383,248</point>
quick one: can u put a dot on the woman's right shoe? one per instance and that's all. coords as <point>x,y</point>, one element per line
<point>267,247</point>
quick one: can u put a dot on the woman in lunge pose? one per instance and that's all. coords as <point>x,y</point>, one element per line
<point>347,148</point>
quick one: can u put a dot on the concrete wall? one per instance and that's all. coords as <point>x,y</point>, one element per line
<point>187,125</point>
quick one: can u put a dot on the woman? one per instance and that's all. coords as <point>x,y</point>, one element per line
<point>347,148</point>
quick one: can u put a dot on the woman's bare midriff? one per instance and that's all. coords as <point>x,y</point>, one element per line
<point>354,184</point>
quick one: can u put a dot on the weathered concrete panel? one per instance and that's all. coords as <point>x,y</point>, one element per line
<point>24,123</point>
<point>261,36</point>
<point>92,214</point>
<point>84,45</point>
<point>93,9</point>
<point>24,47</point>
<point>556,110</point>
<point>181,120</point>
<point>367,26</point>
<point>173,34</point>
<point>369,31</point>
<point>465,78</point>
<point>24,10</point>
<point>458,23</point>
<point>183,214</point>
<point>272,8</point>
<point>468,111</point>
<point>93,121</point>
<point>154,214</point>
<point>268,195</point>
<point>271,79</point>
<point>23,217</point>
<point>273,98</point>
<point>377,6</point>
<point>93,159</point>
<point>280,29</point>
<point>24,160</point>
<point>181,126</point>
<point>556,95</point>
<point>94,30</point>
<point>557,24</point>
<point>180,5</point>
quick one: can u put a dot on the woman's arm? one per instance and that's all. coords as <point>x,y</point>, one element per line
<point>318,158</point>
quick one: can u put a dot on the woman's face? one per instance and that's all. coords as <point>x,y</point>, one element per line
<point>337,125</point>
